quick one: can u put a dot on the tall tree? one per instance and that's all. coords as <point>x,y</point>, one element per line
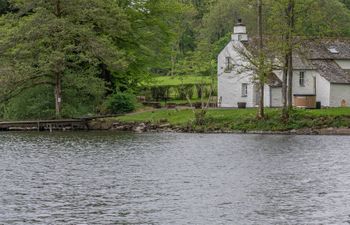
<point>60,41</point>
<point>289,41</point>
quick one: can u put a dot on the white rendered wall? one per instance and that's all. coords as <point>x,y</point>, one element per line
<point>230,84</point>
<point>267,98</point>
<point>339,92</point>
<point>276,97</point>
<point>323,90</point>
<point>230,91</point>
<point>239,29</point>
<point>309,82</point>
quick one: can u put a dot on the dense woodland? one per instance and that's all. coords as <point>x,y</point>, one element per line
<point>64,58</point>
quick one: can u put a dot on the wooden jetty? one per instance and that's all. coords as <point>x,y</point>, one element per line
<point>45,125</point>
<point>81,123</point>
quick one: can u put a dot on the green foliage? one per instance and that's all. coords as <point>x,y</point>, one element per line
<point>201,118</point>
<point>33,103</point>
<point>58,41</point>
<point>4,6</point>
<point>95,46</point>
<point>179,87</point>
<point>160,92</point>
<point>121,103</point>
<point>178,80</point>
<point>346,3</point>
<point>81,97</point>
<point>185,91</point>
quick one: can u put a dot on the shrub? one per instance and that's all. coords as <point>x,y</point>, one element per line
<point>121,103</point>
<point>201,117</point>
<point>34,103</point>
<point>160,92</point>
<point>184,91</point>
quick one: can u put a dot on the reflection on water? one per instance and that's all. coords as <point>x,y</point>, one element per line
<point>113,178</point>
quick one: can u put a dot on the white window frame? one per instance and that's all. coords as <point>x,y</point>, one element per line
<point>302,79</point>
<point>244,90</point>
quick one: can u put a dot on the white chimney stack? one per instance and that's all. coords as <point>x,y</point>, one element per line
<point>240,32</point>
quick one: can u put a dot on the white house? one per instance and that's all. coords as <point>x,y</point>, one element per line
<point>321,72</point>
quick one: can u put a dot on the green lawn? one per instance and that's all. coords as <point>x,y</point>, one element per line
<point>179,80</point>
<point>244,119</point>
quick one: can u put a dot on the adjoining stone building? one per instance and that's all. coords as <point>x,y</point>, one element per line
<point>321,73</point>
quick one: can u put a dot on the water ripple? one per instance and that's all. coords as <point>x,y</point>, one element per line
<point>118,178</point>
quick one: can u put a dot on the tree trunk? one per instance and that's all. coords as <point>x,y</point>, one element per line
<point>58,9</point>
<point>261,111</point>
<point>290,80</point>
<point>291,18</point>
<point>58,95</point>
<point>285,113</point>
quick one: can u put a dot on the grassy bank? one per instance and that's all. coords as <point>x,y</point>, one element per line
<point>244,119</point>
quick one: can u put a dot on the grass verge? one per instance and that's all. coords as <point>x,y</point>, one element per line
<point>245,119</point>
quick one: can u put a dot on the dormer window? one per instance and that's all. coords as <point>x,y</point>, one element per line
<point>333,50</point>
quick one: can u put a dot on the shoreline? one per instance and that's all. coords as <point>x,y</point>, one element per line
<point>148,127</point>
<point>141,127</point>
<point>334,121</point>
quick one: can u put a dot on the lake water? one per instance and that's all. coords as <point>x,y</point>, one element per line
<point>111,178</point>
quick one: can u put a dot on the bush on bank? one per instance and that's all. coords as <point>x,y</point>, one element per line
<point>121,103</point>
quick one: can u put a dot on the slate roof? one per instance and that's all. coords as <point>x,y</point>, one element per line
<point>274,81</point>
<point>301,63</point>
<point>317,55</point>
<point>319,49</point>
<point>332,72</point>
<point>321,54</point>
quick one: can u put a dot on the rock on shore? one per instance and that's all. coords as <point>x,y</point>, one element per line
<point>141,127</point>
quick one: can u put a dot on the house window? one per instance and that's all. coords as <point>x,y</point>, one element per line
<point>302,79</point>
<point>244,90</point>
<point>228,64</point>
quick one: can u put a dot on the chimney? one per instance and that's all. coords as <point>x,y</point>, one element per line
<point>240,32</point>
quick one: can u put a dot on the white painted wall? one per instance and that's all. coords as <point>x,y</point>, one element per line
<point>230,91</point>
<point>309,87</point>
<point>344,64</point>
<point>339,92</point>
<point>323,90</point>
<point>230,83</point>
<point>240,29</point>
<point>267,98</point>
<point>276,97</point>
